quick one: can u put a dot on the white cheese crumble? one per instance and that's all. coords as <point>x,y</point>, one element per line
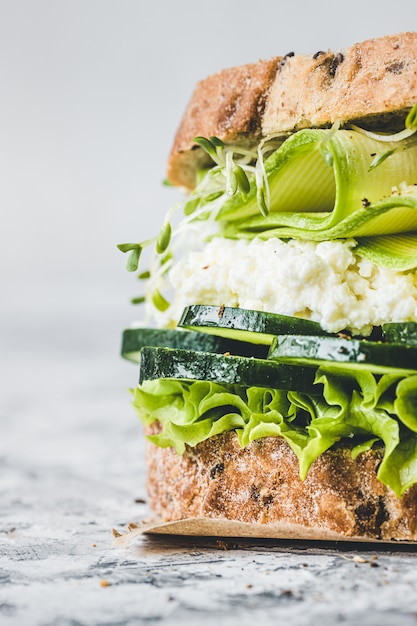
<point>321,281</point>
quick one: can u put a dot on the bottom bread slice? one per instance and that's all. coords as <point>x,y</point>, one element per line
<point>260,484</point>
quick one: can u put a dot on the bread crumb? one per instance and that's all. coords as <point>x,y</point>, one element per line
<point>355,559</point>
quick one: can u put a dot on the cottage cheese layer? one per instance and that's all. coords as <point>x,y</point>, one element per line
<point>325,282</point>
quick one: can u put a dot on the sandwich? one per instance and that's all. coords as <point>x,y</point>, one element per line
<point>277,347</point>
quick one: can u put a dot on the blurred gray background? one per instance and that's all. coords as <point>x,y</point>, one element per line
<point>91,93</point>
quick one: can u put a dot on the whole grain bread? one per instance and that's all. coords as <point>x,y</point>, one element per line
<point>217,479</point>
<point>373,83</point>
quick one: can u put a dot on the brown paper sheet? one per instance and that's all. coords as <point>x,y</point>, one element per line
<point>206,527</point>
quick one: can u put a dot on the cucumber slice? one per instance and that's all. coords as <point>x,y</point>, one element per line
<point>235,370</point>
<point>404,333</point>
<point>258,327</point>
<point>380,358</point>
<point>326,201</point>
<point>134,339</point>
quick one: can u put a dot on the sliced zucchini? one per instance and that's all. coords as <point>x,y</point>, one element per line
<point>134,339</point>
<point>377,357</point>
<point>235,370</point>
<point>396,332</point>
<point>258,327</point>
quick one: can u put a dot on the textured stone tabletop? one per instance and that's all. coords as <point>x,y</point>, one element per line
<point>71,470</point>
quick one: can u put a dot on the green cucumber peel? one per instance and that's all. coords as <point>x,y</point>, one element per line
<point>258,327</point>
<point>134,339</point>
<point>180,364</point>
<point>345,353</point>
<point>400,332</point>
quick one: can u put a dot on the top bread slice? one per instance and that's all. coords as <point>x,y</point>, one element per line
<point>373,83</point>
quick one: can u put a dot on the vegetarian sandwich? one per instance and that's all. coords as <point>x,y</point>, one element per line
<point>277,349</point>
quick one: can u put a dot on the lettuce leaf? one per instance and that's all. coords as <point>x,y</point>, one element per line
<point>358,407</point>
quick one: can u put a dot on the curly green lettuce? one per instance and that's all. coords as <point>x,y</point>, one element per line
<point>359,407</point>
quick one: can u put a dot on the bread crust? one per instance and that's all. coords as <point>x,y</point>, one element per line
<point>260,484</point>
<point>373,82</point>
<point>230,105</point>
